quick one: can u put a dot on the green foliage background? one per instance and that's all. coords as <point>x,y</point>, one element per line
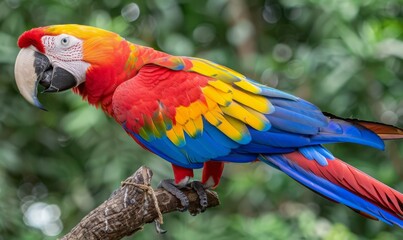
<point>345,56</point>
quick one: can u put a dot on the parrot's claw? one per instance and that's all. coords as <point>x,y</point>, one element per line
<point>169,185</point>
<point>158,227</point>
<point>201,192</point>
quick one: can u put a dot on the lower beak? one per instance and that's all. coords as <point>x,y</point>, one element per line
<point>33,68</point>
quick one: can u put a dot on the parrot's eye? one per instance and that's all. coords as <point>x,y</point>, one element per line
<point>65,41</point>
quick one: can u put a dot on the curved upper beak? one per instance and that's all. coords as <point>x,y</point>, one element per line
<point>26,77</point>
<point>33,68</point>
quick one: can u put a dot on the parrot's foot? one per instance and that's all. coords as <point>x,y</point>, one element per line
<point>171,187</point>
<point>201,192</point>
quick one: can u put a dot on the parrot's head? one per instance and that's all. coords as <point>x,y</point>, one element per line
<point>61,57</point>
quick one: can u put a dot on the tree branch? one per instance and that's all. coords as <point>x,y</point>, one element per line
<point>130,207</point>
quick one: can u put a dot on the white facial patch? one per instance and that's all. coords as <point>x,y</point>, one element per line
<point>66,52</point>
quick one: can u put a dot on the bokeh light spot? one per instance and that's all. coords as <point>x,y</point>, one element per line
<point>204,33</point>
<point>131,12</point>
<point>45,217</point>
<point>178,45</point>
<point>269,78</point>
<point>389,117</point>
<point>271,13</point>
<point>282,52</point>
<point>240,32</point>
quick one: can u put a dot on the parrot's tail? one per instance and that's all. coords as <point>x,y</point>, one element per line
<point>344,184</point>
<point>384,131</point>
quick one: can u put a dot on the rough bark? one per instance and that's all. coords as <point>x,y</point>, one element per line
<point>130,207</point>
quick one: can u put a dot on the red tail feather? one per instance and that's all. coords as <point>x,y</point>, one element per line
<point>348,177</point>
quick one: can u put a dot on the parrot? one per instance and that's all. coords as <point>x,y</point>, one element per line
<point>197,114</point>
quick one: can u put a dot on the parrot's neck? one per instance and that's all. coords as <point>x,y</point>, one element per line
<point>102,81</point>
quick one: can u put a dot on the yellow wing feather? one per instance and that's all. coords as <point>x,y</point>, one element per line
<point>220,85</point>
<point>248,86</point>
<point>182,115</point>
<point>222,98</point>
<point>248,116</point>
<point>198,122</point>
<point>190,128</point>
<point>176,135</point>
<point>234,129</point>
<point>214,70</point>
<point>256,102</point>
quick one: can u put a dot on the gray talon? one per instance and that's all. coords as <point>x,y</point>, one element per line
<point>169,185</point>
<point>158,227</point>
<point>201,192</point>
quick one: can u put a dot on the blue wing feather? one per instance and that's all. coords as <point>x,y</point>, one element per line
<point>341,131</point>
<point>277,138</point>
<point>292,126</point>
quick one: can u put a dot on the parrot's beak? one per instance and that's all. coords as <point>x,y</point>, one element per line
<point>33,68</point>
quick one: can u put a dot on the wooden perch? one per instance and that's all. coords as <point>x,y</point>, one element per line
<point>131,206</point>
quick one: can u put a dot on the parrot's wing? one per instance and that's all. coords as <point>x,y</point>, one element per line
<point>187,117</point>
<point>190,110</point>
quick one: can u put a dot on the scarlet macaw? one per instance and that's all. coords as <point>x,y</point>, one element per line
<point>198,114</point>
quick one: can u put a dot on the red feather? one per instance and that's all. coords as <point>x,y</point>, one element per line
<point>212,171</point>
<point>155,87</point>
<point>181,174</point>
<point>346,176</point>
<point>32,37</point>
